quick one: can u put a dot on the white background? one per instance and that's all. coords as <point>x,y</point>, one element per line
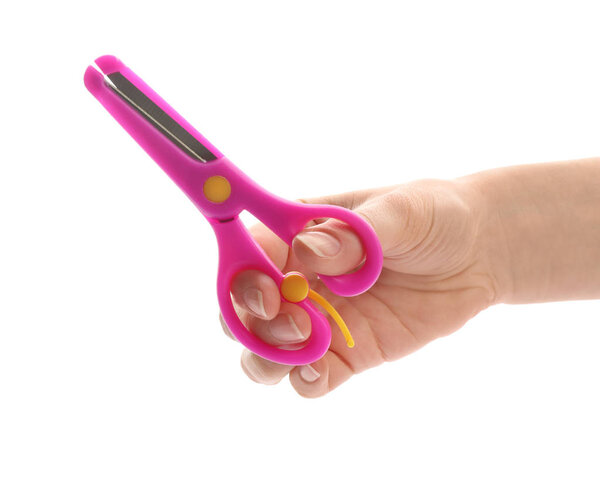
<point>113,366</point>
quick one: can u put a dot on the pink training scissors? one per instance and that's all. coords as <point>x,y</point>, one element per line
<point>221,191</point>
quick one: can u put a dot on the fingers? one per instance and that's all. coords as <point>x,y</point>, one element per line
<point>225,328</point>
<point>256,293</point>
<point>320,377</point>
<point>401,216</point>
<point>330,248</point>
<point>311,381</point>
<point>263,371</point>
<point>290,326</point>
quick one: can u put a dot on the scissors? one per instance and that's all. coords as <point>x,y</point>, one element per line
<point>221,191</point>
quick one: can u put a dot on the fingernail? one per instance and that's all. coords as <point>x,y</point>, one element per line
<point>309,374</point>
<point>285,329</point>
<point>322,244</point>
<point>254,301</point>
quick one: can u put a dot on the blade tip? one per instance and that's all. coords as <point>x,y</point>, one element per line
<point>109,64</point>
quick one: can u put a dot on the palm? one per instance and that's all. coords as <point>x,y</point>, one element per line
<point>400,314</point>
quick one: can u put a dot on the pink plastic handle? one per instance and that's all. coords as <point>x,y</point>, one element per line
<point>287,218</point>
<point>239,252</point>
<point>298,215</point>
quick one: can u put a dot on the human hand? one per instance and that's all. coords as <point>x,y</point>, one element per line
<point>435,277</point>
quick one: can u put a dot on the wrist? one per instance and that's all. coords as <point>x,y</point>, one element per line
<point>492,250</point>
<point>539,231</point>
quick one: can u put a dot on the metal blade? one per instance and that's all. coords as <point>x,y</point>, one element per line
<point>158,117</point>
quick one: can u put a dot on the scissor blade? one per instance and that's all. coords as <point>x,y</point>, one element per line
<point>158,117</point>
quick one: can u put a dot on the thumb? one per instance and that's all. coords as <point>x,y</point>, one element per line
<point>332,247</point>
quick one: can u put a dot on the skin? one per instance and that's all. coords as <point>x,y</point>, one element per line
<point>451,249</point>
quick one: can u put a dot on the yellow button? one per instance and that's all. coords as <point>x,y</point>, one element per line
<point>294,287</point>
<point>217,189</point>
